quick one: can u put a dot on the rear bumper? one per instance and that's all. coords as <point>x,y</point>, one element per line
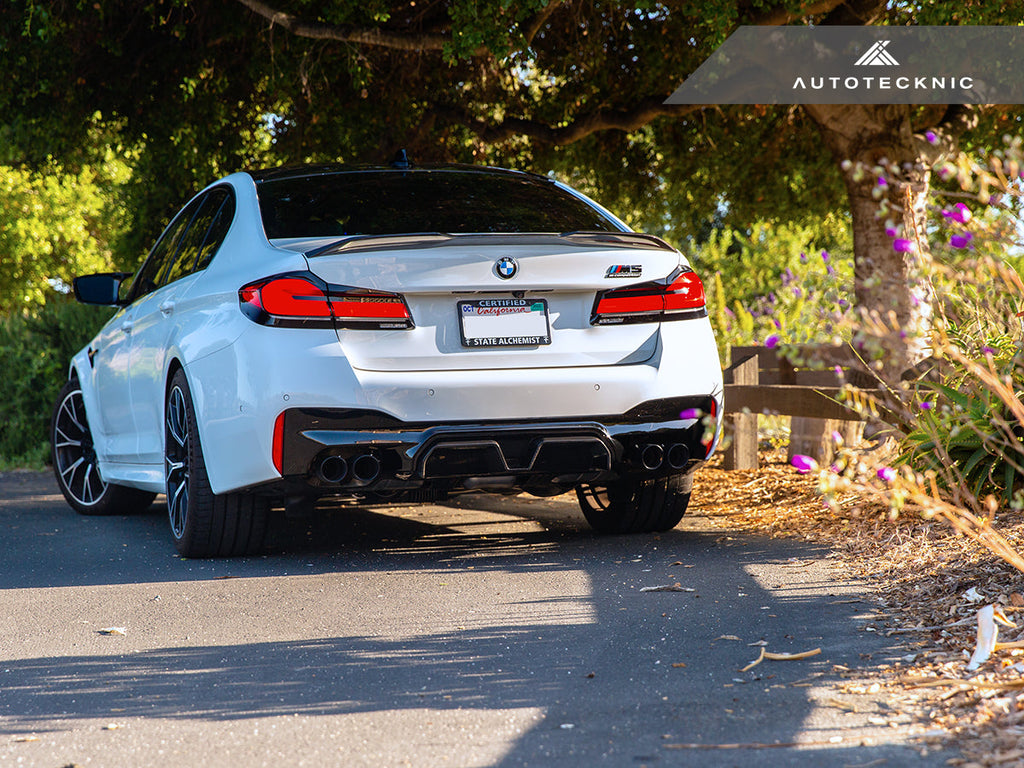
<point>331,450</point>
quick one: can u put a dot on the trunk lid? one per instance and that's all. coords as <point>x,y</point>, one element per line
<point>480,301</point>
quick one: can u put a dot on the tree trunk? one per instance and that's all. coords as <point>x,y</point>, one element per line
<point>890,245</point>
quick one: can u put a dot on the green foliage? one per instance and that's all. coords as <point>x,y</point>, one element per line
<point>34,353</point>
<point>968,430</point>
<point>778,281</point>
<point>55,224</point>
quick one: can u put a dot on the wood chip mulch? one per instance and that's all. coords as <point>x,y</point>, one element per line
<point>929,583</point>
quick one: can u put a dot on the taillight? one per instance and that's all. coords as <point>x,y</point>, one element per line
<point>358,306</point>
<point>680,297</point>
<point>302,300</point>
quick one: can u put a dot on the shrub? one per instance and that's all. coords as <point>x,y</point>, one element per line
<point>35,351</point>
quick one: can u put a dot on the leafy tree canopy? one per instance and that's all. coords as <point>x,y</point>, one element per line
<point>203,87</point>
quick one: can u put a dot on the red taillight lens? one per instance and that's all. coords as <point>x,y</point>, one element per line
<point>298,300</point>
<point>681,297</point>
<point>686,293</point>
<point>294,297</point>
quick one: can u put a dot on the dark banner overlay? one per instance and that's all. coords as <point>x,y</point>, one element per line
<point>861,65</point>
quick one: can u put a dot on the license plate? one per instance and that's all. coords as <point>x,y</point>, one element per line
<point>504,323</point>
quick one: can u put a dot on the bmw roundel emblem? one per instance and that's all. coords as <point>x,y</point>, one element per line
<point>506,267</point>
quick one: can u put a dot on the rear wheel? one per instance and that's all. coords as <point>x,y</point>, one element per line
<point>204,524</point>
<point>636,505</point>
<point>76,466</point>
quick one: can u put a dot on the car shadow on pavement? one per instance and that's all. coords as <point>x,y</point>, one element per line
<point>455,613</point>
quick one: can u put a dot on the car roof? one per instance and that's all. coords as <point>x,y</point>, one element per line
<point>327,169</point>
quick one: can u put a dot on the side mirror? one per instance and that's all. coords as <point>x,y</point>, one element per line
<point>103,289</point>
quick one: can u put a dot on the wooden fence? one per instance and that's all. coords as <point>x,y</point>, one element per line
<point>760,381</point>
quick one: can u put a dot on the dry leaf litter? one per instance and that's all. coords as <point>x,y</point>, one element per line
<point>930,585</point>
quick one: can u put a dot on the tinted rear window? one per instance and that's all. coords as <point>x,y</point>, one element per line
<point>396,202</point>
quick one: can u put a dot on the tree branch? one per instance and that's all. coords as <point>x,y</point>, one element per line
<point>424,41</point>
<point>539,21</point>
<point>602,120</point>
<point>780,16</point>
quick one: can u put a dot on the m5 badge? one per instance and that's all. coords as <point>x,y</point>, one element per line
<point>625,270</point>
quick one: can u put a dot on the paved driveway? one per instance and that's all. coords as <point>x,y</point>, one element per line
<point>488,632</point>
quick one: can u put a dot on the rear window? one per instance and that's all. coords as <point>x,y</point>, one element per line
<point>398,202</point>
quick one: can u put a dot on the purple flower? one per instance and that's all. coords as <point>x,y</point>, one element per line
<point>831,270</point>
<point>960,213</point>
<point>777,324</point>
<point>925,406</point>
<point>804,464</point>
<point>962,240</point>
<point>797,292</point>
<point>836,437</point>
<point>886,473</point>
<point>891,231</point>
<point>987,350</point>
<point>844,303</point>
<point>771,342</point>
<point>803,258</point>
<point>930,137</point>
<point>691,413</point>
<point>825,256</point>
<point>902,245</point>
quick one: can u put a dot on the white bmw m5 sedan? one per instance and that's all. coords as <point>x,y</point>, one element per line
<point>387,334</point>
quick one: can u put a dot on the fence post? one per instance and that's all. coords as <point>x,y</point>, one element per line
<point>741,428</point>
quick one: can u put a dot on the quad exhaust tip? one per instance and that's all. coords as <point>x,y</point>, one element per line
<point>333,469</point>
<point>678,456</point>
<point>365,468</point>
<point>652,455</point>
<point>361,470</point>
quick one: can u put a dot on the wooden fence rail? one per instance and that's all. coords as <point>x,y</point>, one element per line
<point>760,381</point>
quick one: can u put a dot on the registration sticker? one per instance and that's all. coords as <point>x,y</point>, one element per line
<point>504,323</point>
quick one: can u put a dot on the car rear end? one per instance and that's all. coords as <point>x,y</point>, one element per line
<point>491,331</point>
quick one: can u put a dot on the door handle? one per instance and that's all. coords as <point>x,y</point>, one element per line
<point>167,308</point>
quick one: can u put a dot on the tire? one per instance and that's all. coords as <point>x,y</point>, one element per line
<point>75,464</point>
<point>203,523</point>
<point>636,506</point>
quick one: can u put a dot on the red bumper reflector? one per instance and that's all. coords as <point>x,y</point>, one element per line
<point>277,451</point>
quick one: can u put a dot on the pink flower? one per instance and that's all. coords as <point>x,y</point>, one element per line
<point>691,413</point>
<point>886,473</point>
<point>804,464</point>
<point>902,245</point>
<point>891,231</point>
<point>772,341</point>
<point>925,406</point>
<point>836,437</point>
<point>960,213</point>
<point>930,137</point>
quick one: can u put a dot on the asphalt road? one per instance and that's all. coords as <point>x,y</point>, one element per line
<point>490,632</point>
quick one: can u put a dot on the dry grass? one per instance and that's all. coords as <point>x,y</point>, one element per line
<point>929,582</point>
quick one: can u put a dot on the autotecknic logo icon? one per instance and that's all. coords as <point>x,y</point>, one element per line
<point>876,55</point>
